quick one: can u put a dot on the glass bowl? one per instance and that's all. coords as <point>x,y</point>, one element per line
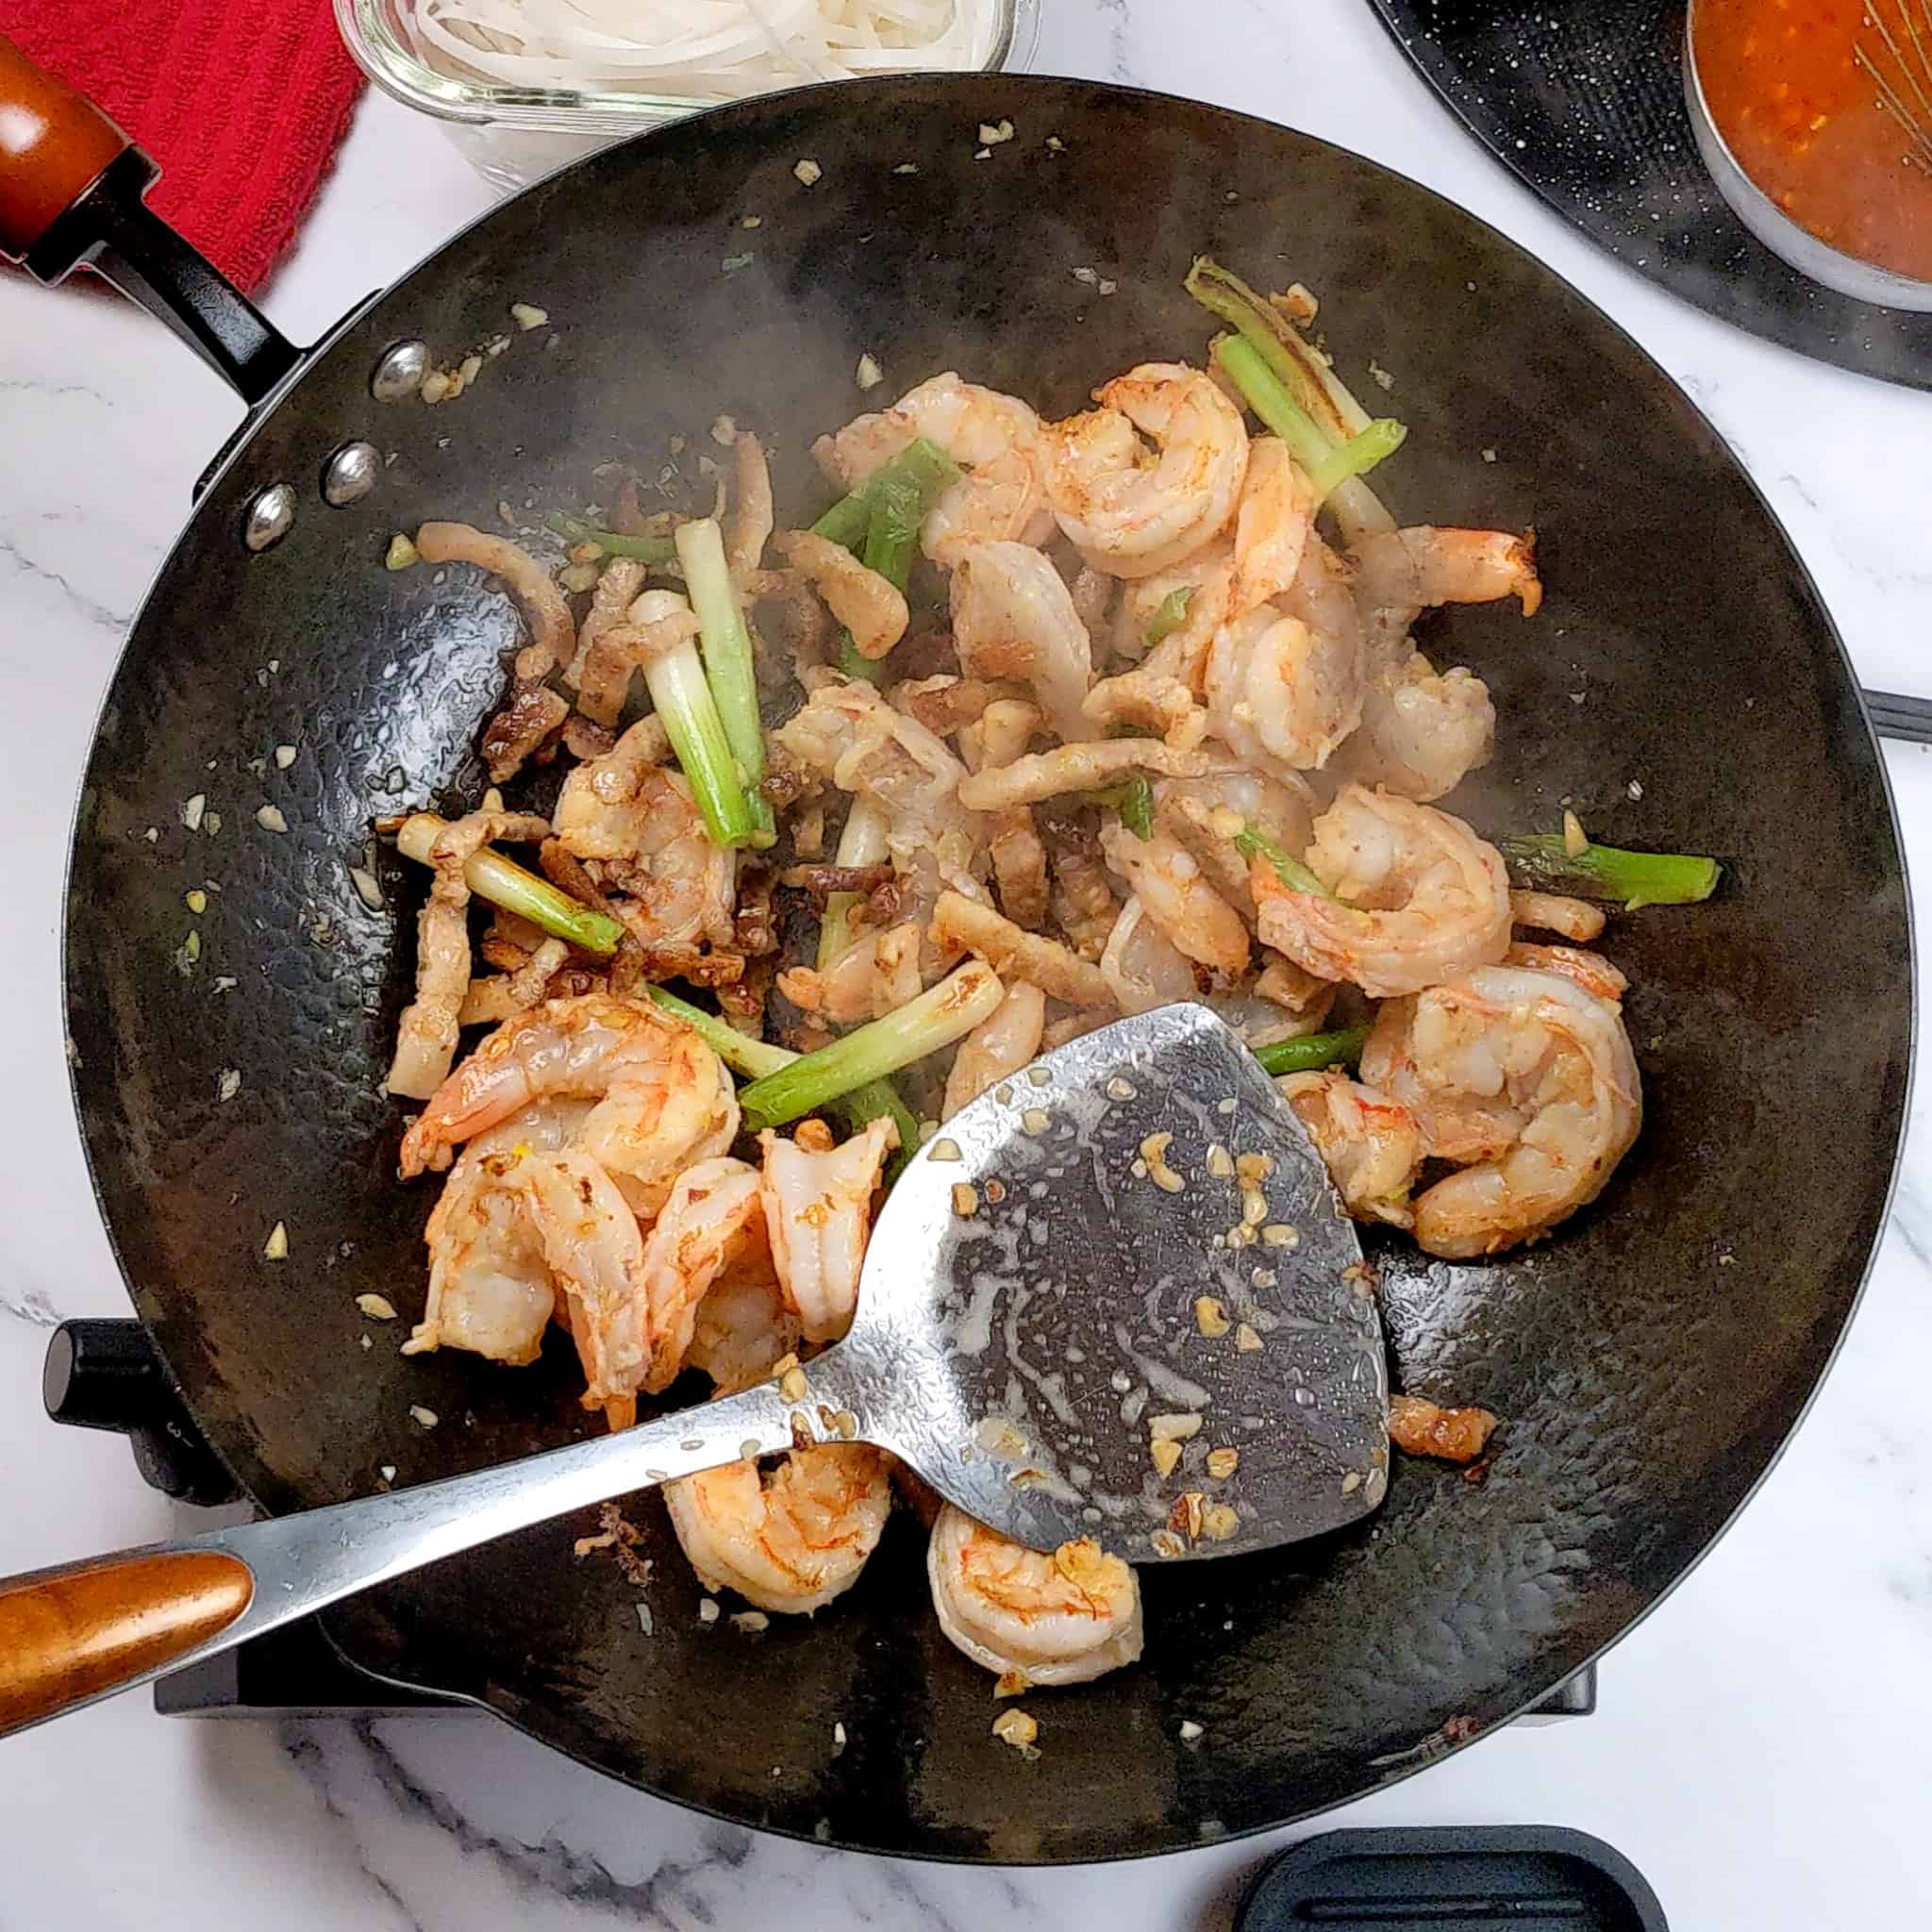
<point>512,135</point>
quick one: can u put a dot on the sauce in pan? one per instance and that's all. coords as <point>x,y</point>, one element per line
<point>1827,106</point>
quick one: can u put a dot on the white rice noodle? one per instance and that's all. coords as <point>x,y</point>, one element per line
<point>700,49</point>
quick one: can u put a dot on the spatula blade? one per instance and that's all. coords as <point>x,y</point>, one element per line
<point>1052,1289</point>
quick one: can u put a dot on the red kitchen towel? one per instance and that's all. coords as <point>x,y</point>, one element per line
<point>243,107</point>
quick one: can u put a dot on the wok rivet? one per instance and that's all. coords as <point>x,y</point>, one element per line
<point>271,516</point>
<point>351,474</point>
<point>400,372</point>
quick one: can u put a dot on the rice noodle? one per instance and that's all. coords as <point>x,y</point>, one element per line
<point>699,49</point>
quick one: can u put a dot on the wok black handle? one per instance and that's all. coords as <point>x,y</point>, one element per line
<point>70,189</point>
<point>1909,720</point>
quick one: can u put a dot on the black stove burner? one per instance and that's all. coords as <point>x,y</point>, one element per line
<point>106,1375</point>
<point>1585,105</point>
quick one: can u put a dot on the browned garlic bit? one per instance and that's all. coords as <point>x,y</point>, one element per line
<point>1016,1727</point>
<point>965,1200</point>
<point>1153,1152</point>
<point>1222,1463</point>
<point>1210,1317</point>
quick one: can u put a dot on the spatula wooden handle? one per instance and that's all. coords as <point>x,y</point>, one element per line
<point>54,144</point>
<point>69,1634</point>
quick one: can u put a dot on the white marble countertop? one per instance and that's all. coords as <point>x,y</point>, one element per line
<point>1758,1749</point>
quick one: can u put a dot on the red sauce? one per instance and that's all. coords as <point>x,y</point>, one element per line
<point>1807,121</point>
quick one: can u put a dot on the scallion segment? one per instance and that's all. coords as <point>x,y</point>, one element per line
<point>1313,1051</point>
<point>895,503</point>
<point>755,1058</point>
<point>1327,465</point>
<point>1293,874</point>
<point>729,669</point>
<point>1132,799</point>
<point>937,1018</point>
<point>682,697</point>
<point>506,883</point>
<point>1605,872</point>
<point>1170,616</point>
<point>644,549</point>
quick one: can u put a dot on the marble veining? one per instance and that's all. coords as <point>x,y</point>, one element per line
<point>1758,1747</point>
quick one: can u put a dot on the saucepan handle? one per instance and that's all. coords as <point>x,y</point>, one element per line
<point>71,194</point>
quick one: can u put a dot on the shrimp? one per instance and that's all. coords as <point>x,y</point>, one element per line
<point>789,1539</point>
<point>663,1098</point>
<point>1171,890</point>
<point>639,821</point>
<point>742,1327</point>
<point>871,606</point>
<point>1417,897</point>
<point>553,635</point>
<point>1205,814</point>
<point>1059,1619</point>
<point>818,1210</point>
<point>1013,617</point>
<point>1273,523</point>
<point>998,1047</point>
<point>1142,966</point>
<point>426,1037</point>
<point>1576,919</point>
<point>1200,589</point>
<point>970,424</point>
<point>594,1252</point>
<point>1422,731</point>
<point>1414,569</point>
<point>1151,701</point>
<point>1280,695</point>
<point>711,1206</point>
<point>1131,515</point>
<point>1000,499</point>
<point>490,1292</point>
<point>1524,1072</point>
<point>1590,971</point>
<point>1371,1145</point>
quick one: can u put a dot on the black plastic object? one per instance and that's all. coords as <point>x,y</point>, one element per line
<point>101,1375</point>
<point>111,230</point>
<point>1586,105</point>
<point>1645,1386</point>
<point>1527,1879</point>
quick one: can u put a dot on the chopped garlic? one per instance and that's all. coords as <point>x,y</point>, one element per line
<point>269,817</point>
<point>276,1247</point>
<point>1014,1726</point>
<point>424,1417</point>
<point>708,1609</point>
<point>1210,1317</point>
<point>868,373</point>
<point>191,810</point>
<point>1165,1455</point>
<point>285,757</point>
<point>753,1620</point>
<point>1173,1428</point>
<point>992,133</point>
<point>1575,841</point>
<point>401,554</point>
<point>809,172</point>
<point>229,1084</point>
<point>528,315</point>
<point>1222,1463</point>
<point>1246,1340</point>
<point>378,1308</point>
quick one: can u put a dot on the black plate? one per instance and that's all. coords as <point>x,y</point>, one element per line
<point>1648,1364</point>
<point>1586,106</point>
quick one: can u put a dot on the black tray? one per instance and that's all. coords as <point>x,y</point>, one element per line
<point>1585,103</point>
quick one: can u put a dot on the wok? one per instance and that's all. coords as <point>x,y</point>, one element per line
<point>1649,1363</point>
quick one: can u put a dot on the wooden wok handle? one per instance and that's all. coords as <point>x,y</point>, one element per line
<point>71,1634</point>
<point>54,147</point>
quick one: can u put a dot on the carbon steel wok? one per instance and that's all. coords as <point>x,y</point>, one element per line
<point>1650,1362</point>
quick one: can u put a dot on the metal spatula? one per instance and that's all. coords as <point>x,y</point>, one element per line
<point>1097,1281</point>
